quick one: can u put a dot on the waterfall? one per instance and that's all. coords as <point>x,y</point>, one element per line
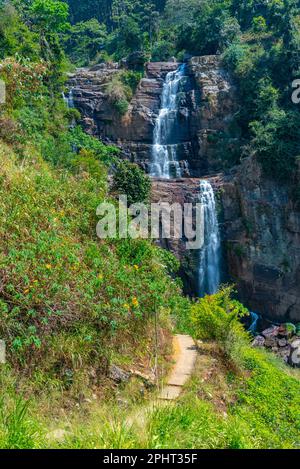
<point>210,254</point>
<point>69,99</point>
<point>164,153</point>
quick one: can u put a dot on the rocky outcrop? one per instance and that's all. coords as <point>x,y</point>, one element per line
<point>206,110</point>
<point>262,236</point>
<point>180,191</point>
<point>133,132</point>
<point>214,133</point>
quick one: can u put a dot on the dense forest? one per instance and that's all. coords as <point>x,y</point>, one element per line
<point>71,305</point>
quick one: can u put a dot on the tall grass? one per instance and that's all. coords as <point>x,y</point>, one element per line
<point>17,429</point>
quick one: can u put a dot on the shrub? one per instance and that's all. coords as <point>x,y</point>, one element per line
<point>259,24</point>
<point>130,180</point>
<point>119,94</point>
<point>214,316</point>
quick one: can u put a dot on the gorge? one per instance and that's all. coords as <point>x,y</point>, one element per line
<point>259,224</point>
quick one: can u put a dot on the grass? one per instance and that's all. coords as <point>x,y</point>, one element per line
<point>226,405</point>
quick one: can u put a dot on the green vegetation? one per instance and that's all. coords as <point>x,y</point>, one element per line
<point>260,44</point>
<point>238,398</point>
<point>129,179</point>
<point>214,316</point>
<point>70,304</point>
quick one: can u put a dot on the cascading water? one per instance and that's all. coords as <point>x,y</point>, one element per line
<point>69,99</point>
<point>164,153</point>
<point>210,254</point>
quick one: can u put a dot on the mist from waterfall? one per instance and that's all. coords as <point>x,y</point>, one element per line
<point>210,254</point>
<point>164,153</point>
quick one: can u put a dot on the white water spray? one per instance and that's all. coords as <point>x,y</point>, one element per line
<point>69,99</point>
<point>210,255</point>
<point>164,153</point>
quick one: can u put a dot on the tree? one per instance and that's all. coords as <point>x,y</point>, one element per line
<point>259,24</point>
<point>131,181</point>
<point>84,41</point>
<point>50,15</point>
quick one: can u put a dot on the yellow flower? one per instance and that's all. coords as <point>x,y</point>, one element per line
<point>126,306</point>
<point>135,302</point>
<point>100,277</point>
<point>48,266</point>
<point>136,267</point>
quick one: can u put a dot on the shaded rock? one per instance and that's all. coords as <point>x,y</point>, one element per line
<point>282,342</point>
<point>262,242</point>
<point>118,375</point>
<point>271,332</point>
<point>271,342</point>
<point>59,435</point>
<point>259,341</point>
<point>135,60</point>
<point>294,357</point>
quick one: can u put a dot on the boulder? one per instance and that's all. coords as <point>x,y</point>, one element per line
<point>271,342</point>
<point>294,357</point>
<point>118,375</point>
<point>259,341</point>
<point>271,332</point>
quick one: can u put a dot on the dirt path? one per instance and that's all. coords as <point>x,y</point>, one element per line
<point>185,359</point>
<point>185,354</point>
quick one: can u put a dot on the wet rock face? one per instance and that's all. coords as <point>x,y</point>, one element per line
<point>262,235</point>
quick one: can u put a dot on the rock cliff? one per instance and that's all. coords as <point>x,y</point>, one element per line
<point>207,110</point>
<point>262,236</point>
